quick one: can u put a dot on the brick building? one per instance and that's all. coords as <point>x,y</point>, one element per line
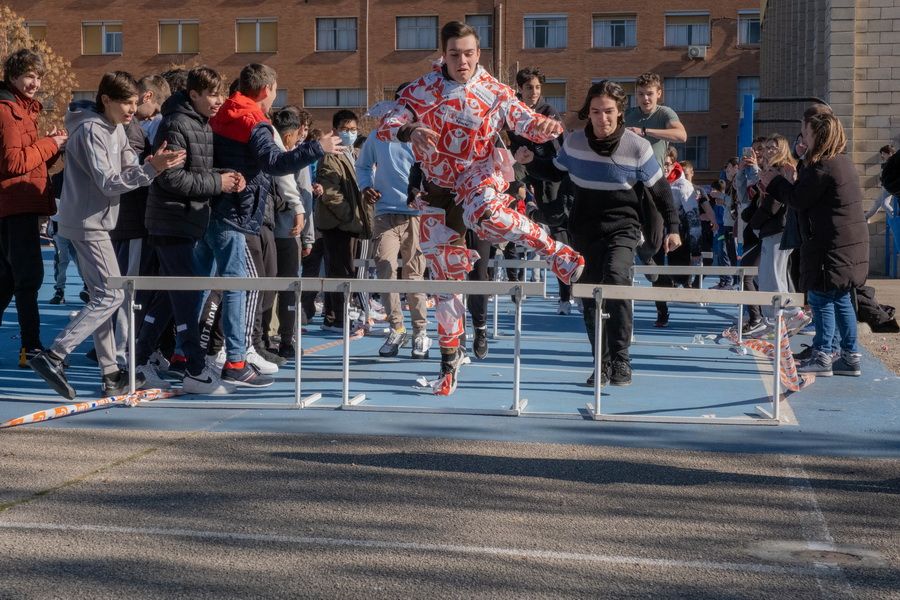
<point>353,53</point>
<point>846,52</point>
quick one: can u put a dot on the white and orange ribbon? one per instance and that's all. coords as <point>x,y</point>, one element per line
<point>790,378</point>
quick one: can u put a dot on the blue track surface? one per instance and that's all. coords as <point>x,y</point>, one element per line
<point>672,376</point>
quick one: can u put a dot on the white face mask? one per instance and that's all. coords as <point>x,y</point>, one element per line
<point>348,138</point>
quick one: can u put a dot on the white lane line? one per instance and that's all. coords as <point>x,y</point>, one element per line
<point>815,529</point>
<point>637,373</point>
<point>418,547</point>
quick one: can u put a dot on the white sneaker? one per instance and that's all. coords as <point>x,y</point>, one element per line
<point>208,382</point>
<point>565,307</point>
<point>421,345</point>
<point>217,362</point>
<point>152,378</point>
<point>262,365</point>
<point>159,361</point>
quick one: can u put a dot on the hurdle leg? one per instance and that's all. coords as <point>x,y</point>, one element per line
<point>131,307</point>
<point>598,350</point>
<point>518,404</point>
<point>776,388</point>
<point>496,305</point>
<point>740,308</point>
<point>345,374</point>
<point>298,352</point>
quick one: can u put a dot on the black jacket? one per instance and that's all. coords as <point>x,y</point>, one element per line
<point>835,250</point>
<point>890,174</point>
<point>133,204</point>
<point>178,204</point>
<point>768,219</point>
<point>543,153</point>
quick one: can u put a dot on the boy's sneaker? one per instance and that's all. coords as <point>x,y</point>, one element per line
<point>116,383</point>
<point>333,326</point>
<point>50,369</point>
<point>604,377</point>
<point>819,363</point>
<point>216,361</point>
<point>421,345</point>
<point>243,374</point>
<point>395,340</point>
<point>480,343</point>
<point>620,373</point>
<point>177,365</point>
<point>752,328</point>
<point>804,354</point>
<point>85,296</point>
<point>565,307</point>
<point>208,383</point>
<point>287,351</point>
<point>262,365</point>
<point>796,322</point>
<point>160,362</point>
<point>450,364</point>
<point>848,364</point>
<point>272,357</point>
<point>58,298</point>
<point>567,265</point>
<point>662,321</point>
<point>26,355</point>
<point>152,378</point>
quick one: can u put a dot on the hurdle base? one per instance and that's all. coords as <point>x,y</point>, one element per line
<point>310,400</point>
<point>626,418</point>
<point>221,404</point>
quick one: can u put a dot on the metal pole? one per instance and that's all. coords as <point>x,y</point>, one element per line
<point>740,321</point>
<point>345,401</point>
<point>778,304</point>
<point>517,353</point>
<point>598,349</point>
<point>632,305</point>
<point>132,359</point>
<point>496,304</point>
<point>298,349</point>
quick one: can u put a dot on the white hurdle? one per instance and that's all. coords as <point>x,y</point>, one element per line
<point>498,263</point>
<point>625,292</point>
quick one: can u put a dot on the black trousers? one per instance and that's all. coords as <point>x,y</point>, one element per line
<point>312,267</point>
<point>477,304</point>
<point>340,249</point>
<point>288,255</point>
<point>608,260</point>
<point>22,273</point>
<point>263,255</point>
<point>680,257</point>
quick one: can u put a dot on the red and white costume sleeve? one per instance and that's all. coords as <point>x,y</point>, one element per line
<point>467,118</point>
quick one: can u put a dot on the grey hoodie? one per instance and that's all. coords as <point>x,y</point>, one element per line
<point>100,166</point>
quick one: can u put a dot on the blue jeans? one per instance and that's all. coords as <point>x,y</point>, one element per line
<point>225,248</point>
<point>833,311</point>
<point>721,254</point>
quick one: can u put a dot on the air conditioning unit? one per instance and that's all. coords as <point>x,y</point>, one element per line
<point>697,52</point>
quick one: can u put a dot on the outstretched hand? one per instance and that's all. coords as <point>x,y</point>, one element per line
<point>331,144</point>
<point>424,140</point>
<point>523,155</point>
<point>166,159</point>
<point>672,242</point>
<point>549,128</point>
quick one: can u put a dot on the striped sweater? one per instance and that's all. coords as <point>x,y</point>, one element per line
<point>607,187</point>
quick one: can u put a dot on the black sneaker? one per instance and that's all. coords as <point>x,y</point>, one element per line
<point>51,369</point>
<point>91,355</point>
<point>661,321</point>
<point>753,327</point>
<point>620,373</point>
<point>58,298</point>
<point>604,377</point>
<point>245,376</point>
<point>804,354</point>
<point>26,355</point>
<point>848,364</point>
<point>85,296</point>
<point>116,383</point>
<point>450,364</point>
<point>395,340</point>
<point>271,356</point>
<point>287,351</point>
<point>480,343</point>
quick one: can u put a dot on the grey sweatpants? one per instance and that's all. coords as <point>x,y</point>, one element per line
<point>773,272</point>
<point>97,263</point>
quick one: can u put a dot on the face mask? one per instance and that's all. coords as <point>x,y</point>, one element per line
<point>347,138</point>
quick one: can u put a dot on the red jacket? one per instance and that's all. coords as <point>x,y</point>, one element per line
<point>24,182</point>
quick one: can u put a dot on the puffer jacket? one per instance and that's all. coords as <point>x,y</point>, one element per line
<point>24,159</point>
<point>178,204</point>
<point>133,204</point>
<point>834,254</point>
<point>245,142</point>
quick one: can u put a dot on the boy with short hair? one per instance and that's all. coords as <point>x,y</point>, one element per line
<point>25,193</point>
<point>652,120</point>
<point>245,142</point>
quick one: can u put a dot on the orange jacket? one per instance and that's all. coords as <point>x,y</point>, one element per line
<point>24,182</point>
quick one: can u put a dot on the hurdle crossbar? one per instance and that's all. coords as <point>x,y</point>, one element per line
<point>625,292</point>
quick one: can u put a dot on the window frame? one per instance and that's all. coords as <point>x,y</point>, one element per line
<point>104,51</point>
<point>335,31</point>
<point>682,151</point>
<point>485,42</point>
<point>690,42</point>
<point>30,24</point>
<point>361,92</point>
<point>564,17</point>
<point>670,82</point>
<point>437,42</point>
<point>180,23</point>
<point>740,96</point>
<point>610,17</point>
<point>257,21</point>
<point>747,17</point>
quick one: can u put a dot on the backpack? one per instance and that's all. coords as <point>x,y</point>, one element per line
<point>880,317</point>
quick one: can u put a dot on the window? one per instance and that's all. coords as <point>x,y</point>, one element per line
<point>687,94</point>
<point>484,25</point>
<point>615,31</point>
<point>696,150</point>
<point>336,35</point>
<point>628,86</point>
<point>179,37</point>
<point>281,99</point>
<point>104,37</point>
<point>546,31</point>
<point>687,30</point>
<point>554,93</point>
<point>257,35</point>
<point>78,95</point>
<point>748,28</point>
<point>37,30</point>
<point>334,98</point>
<point>747,85</point>
<point>417,33</point>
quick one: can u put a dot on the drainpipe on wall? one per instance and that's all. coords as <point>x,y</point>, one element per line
<point>498,41</point>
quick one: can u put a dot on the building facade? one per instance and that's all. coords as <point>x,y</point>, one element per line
<point>352,53</point>
<point>846,52</point>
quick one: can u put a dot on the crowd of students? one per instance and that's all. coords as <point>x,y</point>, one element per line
<point>174,175</point>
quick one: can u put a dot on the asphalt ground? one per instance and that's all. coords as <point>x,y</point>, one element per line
<point>146,514</point>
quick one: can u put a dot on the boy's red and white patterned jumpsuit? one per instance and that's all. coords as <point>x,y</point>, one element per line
<point>467,118</point>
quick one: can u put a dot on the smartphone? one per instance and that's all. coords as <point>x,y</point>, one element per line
<point>747,152</point>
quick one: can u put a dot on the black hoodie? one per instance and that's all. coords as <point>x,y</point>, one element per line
<point>543,153</point>
<point>178,205</point>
